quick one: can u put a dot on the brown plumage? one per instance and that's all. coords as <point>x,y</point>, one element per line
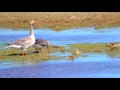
<point>40,43</point>
<point>72,57</point>
<point>113,45</point>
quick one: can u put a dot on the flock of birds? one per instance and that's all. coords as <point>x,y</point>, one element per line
<point>29,41</point>
<point>72,57</point>
<point>38,44</point>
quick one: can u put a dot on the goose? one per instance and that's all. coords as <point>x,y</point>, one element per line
<point>25,42</point>
<point>77,52</point>
<point>72,57</point>
<point>113,45</point>
<point>40,43</point>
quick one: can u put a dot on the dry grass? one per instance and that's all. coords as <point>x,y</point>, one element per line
<point>59,20</point>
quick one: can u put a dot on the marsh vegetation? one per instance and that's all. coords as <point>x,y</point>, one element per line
<point>89,32</point>
<point>59,20</point>
<point>15,54</point>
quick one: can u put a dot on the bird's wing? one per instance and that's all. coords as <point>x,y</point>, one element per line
<point>20,41</point>
<point>25,44</point>
<point>42,42</point>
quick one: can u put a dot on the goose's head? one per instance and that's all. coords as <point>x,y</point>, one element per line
<point>73,55</point>
<point>76,50</point>
<point>33,22</point>
<point>109,45</point>
<point>37,41</point>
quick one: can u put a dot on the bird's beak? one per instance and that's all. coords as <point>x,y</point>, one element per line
<point>35,22</point>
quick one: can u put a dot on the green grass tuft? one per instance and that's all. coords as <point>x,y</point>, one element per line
<point>15,54</point>
<point>95,48</point>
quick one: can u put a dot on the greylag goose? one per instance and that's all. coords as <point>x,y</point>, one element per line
<point>113,45</point>
<point>40,43</point>
<point>25,42</point>
<point>72,57</point>
<point>77,52</point>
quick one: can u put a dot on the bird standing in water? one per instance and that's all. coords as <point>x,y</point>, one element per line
<point>72,57</point>
<point>25,42</point>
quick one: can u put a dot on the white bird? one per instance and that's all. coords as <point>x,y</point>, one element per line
<point>25,42</point>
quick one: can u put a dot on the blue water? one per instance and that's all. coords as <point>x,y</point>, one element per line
<point>77,35</point>
<point>88,65</point>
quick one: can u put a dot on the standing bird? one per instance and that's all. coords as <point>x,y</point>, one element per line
<point>40,43</point>
<point>72,57</point>
<point>25,42</point>
<point>113,45</point>
<point>77,52</point>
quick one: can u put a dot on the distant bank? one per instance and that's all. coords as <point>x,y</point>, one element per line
<point>59,20</point>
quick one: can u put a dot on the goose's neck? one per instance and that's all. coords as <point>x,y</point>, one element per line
<point>31,29</point>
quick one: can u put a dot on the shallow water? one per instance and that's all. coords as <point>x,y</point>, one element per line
<point>83,67</point>
<point>86,66</point>
<point>80,35</point>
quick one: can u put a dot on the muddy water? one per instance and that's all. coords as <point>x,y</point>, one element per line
<point>88,65</point>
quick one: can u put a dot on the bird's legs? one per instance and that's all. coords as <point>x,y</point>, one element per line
<point>36,51</point>
<point>48,49</point>
<point>40,49</point>
<point>23,53</point>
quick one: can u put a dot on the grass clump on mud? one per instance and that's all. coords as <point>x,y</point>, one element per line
<point>15,54</point>
<point>96,48</point>
<point>59,20</point>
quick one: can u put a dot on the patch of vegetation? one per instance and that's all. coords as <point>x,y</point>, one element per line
<point>95,48</point>
<point>59,20</point>
<point>89,47</point>
<point>15,54</point>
